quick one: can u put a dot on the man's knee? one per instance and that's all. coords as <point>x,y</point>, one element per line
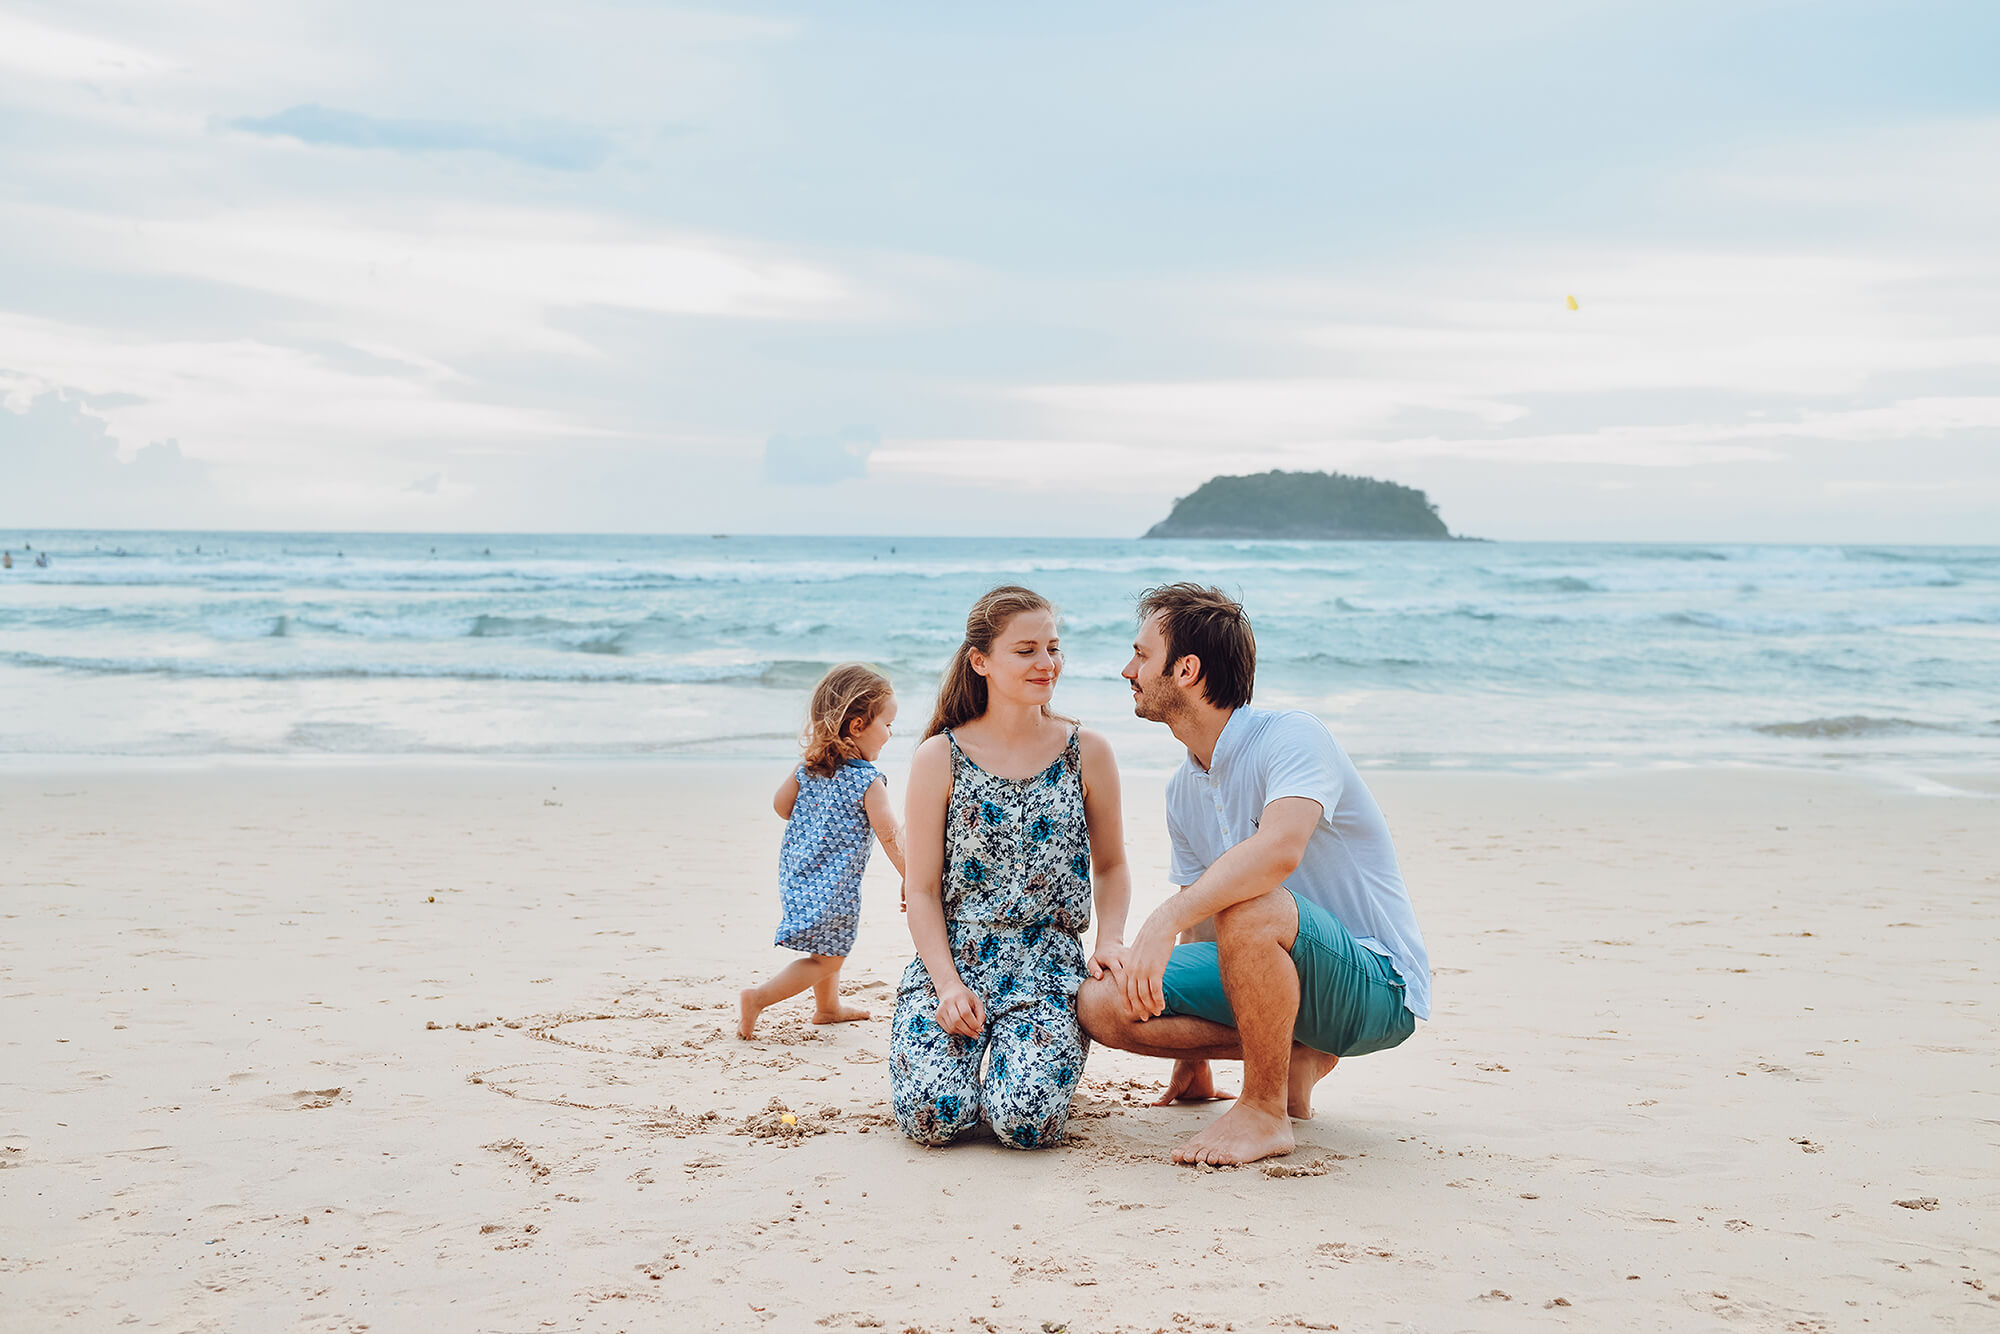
<point>1273,916</point>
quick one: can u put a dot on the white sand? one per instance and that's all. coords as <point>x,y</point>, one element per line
<point>1697,1034</point>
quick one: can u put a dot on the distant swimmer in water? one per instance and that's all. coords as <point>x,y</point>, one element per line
<point>42,560</point>
<point>7,561</point>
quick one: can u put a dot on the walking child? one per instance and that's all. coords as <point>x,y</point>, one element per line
<point>830,803</point>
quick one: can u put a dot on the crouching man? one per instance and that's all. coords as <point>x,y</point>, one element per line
<point>1292,942</point>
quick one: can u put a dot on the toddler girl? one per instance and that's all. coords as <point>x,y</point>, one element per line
<point>830,802</point>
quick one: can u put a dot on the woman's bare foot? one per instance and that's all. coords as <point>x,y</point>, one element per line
<point>1243,1134</point>
<point>747,1010</point>
<point>1308,1068</point>
<point>845,1014</point>
<point>1192,1081</point>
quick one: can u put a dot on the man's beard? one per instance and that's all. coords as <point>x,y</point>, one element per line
<point>1159,702</point>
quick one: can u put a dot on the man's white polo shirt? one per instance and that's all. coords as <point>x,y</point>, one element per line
<point>1349,867</point>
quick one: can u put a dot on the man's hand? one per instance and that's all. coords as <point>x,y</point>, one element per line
<point>1109,957</point>
<point>1146,966</point>
<point>960,1012</point>
<point>1192,1082</point>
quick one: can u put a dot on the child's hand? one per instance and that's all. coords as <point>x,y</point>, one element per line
<point>960,1012</point>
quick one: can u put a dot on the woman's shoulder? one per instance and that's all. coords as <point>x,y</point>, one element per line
<point>1094,745</point>
<point>932,752</point>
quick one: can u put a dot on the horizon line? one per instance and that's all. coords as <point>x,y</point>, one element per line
<point>1453,540</point>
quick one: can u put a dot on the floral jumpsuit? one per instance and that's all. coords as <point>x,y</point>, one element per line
<point>1016,893</point>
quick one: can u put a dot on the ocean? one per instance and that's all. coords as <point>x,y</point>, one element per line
<point>1537,657</point>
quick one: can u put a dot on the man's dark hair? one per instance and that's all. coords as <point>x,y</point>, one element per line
<point>1210,625</point>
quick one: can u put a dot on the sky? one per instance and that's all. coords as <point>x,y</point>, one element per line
<point>1034,269</point>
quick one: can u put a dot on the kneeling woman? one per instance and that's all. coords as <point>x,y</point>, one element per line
<point>1012,812</point>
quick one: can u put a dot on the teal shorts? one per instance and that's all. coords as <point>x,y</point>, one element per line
<point>1350,997</point>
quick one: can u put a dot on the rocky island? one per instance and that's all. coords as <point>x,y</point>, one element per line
<point>1330,506</point>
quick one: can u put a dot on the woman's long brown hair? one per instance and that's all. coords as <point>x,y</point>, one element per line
<point>962,692</point>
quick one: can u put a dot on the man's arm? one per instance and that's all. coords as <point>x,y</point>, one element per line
<point>1251,869</point>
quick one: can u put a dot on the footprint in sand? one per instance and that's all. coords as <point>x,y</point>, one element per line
<point>306,1100</point>
<point>521,1239</point>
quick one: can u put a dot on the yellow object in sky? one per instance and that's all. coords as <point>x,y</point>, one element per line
<point>1572,303</point>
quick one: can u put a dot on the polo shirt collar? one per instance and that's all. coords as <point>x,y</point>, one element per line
<point>1228,741</point>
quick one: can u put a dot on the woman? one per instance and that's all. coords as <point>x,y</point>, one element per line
<point>1012,816</point>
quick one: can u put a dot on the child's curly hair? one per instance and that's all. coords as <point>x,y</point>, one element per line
<point>851,693</point>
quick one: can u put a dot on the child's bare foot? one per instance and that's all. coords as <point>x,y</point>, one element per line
<point>747,1010</point>
<point>845,1014</point>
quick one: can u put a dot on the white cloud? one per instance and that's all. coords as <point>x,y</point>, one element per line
<point>423,296</point>
<point>1747,322</point>
<point>1023,464</point>
<point>459,277</point>
<point>821,459</point>
<point>1031,463</point>
<point>62,467</point>
<point>339,323</point>
<point>248,401</point>
<point>1483,361</point>
<point>1228,413</point>
<point>36,49</point>
<point>1928,175</point>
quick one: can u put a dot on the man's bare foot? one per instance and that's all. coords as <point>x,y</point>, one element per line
<point>1192,1081</point>
<point>1243,1134</point>
<point>1308,1068</point>
<point>846,1014</point>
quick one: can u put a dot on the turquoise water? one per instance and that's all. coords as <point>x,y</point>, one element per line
<point>1480,655</point>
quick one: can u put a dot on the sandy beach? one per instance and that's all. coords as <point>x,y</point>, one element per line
<point>434,1046</point>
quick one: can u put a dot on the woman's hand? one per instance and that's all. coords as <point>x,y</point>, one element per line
<point>960,1012</point>
<point>1108,957</point>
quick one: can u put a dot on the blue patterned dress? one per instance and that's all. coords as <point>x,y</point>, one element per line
<point>825,851</point>
<point>1017,896</point>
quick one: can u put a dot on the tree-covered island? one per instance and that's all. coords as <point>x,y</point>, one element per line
<point>1290,505</point>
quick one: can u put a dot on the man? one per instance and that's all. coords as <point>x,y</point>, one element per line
<point>1297,942</point>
